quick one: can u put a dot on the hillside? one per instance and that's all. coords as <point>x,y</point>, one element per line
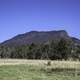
<point>39,37</point>
<point>54,45</point>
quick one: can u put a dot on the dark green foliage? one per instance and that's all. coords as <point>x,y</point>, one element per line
<point>63,49</point>
<point>77,51</point>
<point>54,50</point>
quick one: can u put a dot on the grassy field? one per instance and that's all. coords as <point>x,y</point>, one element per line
<point>39,70</point>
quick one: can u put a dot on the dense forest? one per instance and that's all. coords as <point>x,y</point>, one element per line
<point>54,50</point>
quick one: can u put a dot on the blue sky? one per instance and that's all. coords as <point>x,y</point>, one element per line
<point>20,16</point>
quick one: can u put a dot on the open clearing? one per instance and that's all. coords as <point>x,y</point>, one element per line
<point>71,64</point>
<point>20,69</point>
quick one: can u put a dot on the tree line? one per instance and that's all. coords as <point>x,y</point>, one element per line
<point>53,50</point>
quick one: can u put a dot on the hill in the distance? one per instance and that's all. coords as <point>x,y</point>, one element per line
<point>38,37</point>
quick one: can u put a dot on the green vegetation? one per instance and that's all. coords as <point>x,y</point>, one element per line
<point>54,50</point>
<point>27,72</point>
<point>39,70</point>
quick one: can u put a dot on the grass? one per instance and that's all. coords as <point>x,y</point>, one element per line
<point>38,70</point>
<point>25,72</point>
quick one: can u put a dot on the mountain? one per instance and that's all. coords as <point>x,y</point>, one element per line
<point>38,37</point>
<point>75,40</point>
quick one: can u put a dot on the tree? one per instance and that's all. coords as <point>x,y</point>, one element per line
<point>76,54</point>
<point>45,51</point>
<point>63,49</point>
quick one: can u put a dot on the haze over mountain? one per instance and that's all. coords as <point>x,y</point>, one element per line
<point>38,37</point>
